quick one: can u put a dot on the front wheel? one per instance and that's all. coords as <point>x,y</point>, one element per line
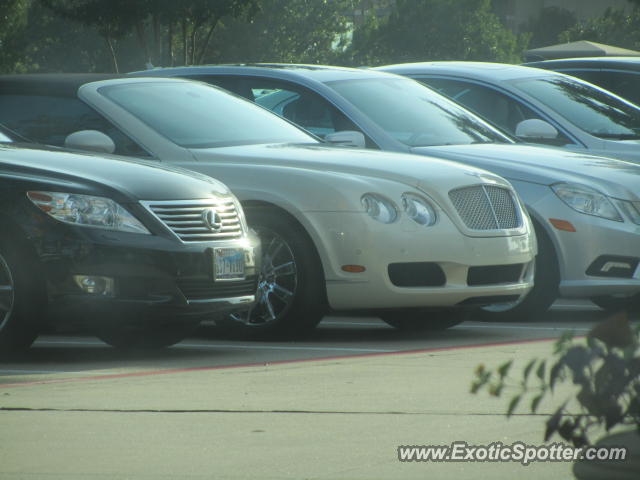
<point>21,298</point>
<point>290,295</point>
<point>422,319</point>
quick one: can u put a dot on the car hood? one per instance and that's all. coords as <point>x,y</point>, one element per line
<point>423,173</point>
<point>133,179</point>
<point>546,166</point>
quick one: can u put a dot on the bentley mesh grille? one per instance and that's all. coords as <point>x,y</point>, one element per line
<point>188,219</point>
<point>486,207</point>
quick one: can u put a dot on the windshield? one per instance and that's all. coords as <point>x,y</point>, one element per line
<point>194,115</point>
<point>591,109</point>
<point>414,114</point>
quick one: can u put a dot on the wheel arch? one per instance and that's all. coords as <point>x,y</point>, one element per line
<point>257,205</point>
<point>14,236</point>
<point>543,228</point>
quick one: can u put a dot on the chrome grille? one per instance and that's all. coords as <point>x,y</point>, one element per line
<point>486,207</point>
<point>187,219</point>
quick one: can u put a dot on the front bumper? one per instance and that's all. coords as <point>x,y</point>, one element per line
<point>152,276</point>
<point>388,252</point>
<point>593,258</point>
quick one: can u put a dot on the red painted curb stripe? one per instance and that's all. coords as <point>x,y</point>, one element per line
<point>263,364</point>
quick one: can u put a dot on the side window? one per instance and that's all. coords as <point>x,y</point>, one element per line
<point>496,107</point>
<point>297,104</point>
<point>49,120</point>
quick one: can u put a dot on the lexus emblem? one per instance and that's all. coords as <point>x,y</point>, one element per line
<point>212,219</point>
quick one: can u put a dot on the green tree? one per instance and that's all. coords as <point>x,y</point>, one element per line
<point>546,28</point>
<point>436,30</point>
<point>616,27</point>
<point>13,18</point>
<point>297,31</point>
<point>161,28</point>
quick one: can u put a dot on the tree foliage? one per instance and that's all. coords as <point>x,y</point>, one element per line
<point>297,31</point>
<point>546,28</point>
<point>164,29</point>
<point>13,18</point>
<point>616,27</point>
<point>435,30</point>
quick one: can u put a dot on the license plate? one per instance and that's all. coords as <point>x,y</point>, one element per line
<point>228,264</point>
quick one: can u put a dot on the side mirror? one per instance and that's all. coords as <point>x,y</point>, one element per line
<point>536,129</point>
<point>349,138</point>
<point>91,140</point>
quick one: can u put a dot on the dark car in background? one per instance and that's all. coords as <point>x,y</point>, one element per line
<point>620,75</point>
<point>135,253</point>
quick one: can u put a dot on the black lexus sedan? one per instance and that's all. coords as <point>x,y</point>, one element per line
<point>138,254</point>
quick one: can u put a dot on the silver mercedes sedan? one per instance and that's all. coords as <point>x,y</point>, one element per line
<point>537,106</point>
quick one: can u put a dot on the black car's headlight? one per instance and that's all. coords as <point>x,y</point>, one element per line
<point>86,211</point>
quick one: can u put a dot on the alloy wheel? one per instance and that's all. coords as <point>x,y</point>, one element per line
<point>277,281</point>
<point>7,296</point>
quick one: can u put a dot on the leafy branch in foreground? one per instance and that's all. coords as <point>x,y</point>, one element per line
<point>604,367</point>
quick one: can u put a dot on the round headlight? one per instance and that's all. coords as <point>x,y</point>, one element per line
<point>379,208</point>
<point>418,209</point>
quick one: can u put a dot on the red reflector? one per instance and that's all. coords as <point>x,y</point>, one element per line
<point>562,225</point>
<point>353,268</point>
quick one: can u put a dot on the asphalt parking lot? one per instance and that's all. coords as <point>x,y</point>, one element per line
<point>334,406</point>
<point>335,337</point>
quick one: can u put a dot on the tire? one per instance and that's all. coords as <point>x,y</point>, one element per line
<point>21,298</point>
<point>291,291</point>
<point>612,303</point>
<point>145,336</point>
<point>540,297</point>
<point>423,319</point>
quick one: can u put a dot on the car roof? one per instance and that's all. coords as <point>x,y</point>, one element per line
<point>630,63</point>
<point>320,73</point>
<point>481,70</point>
<point>60,84</point>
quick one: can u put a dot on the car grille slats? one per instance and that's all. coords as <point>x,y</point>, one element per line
<point>486,207</point>
<point>187,220</point>
<point>200,289</point>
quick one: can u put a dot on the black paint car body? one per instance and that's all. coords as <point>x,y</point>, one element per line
<point>162,285</point>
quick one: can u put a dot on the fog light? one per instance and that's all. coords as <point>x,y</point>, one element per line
<point>95,285</point>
